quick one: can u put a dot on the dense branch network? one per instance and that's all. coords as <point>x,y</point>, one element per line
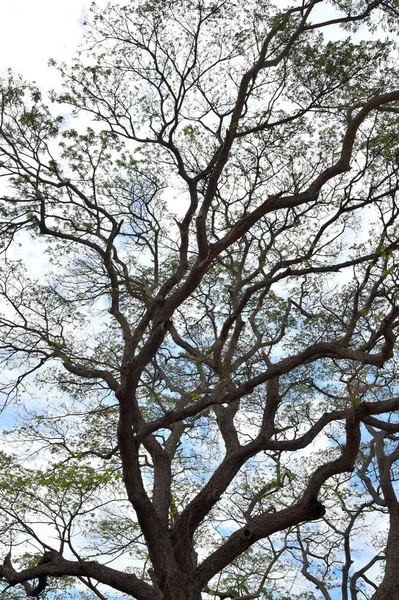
<point>211,306</point>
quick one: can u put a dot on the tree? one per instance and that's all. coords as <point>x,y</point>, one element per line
<point>219,296</point>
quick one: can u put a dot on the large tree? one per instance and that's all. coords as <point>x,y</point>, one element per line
<point>216,300</point>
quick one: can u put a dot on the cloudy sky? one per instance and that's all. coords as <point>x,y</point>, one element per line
<point>32,31</point>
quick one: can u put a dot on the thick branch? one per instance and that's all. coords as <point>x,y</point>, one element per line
<point>57,566</point>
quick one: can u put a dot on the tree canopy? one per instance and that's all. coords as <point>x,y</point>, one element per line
<point>200,369</point>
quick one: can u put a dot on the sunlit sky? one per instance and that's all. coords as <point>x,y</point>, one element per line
<point>32,31</point>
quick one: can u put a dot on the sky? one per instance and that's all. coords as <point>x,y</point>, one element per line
<point>33,31</point>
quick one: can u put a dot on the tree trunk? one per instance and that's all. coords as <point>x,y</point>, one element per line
<point>389,588</point>
<point>182,594</point>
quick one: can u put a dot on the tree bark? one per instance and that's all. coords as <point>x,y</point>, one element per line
<point>389,588</point>
<point>185,591</point>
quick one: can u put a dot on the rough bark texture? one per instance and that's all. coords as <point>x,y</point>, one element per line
<point>389,587</point>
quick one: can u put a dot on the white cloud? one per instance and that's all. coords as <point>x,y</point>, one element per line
<point>33,31</point>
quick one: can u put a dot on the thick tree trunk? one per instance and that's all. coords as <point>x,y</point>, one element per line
<point>182,593</point>
<point>389,588</point>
